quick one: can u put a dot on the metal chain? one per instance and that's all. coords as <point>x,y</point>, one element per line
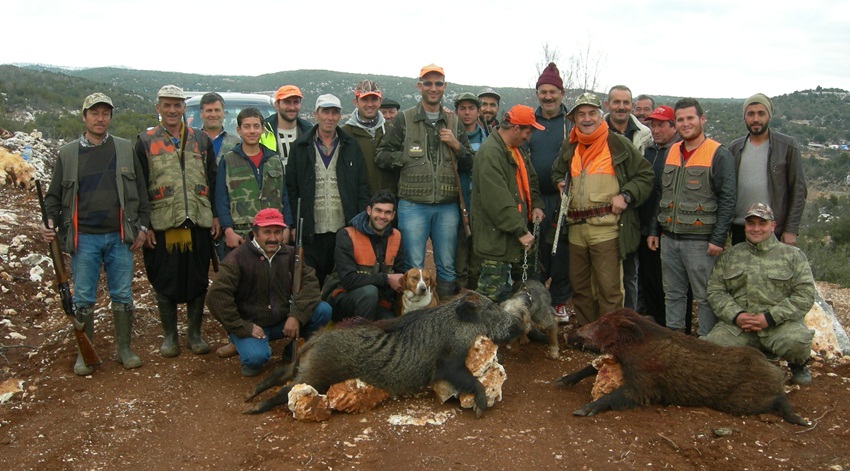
<point>535,244</point>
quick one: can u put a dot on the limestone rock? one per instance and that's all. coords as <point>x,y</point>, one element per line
<point>355,396</point>
<point>609,376</point>
<point>307,404</point>
<point>830,340</point>
<point>482,362</point>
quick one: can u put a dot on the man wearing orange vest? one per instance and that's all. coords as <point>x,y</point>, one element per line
<point>606,179</point>
<point>695,210</point>
<point>369,263</point>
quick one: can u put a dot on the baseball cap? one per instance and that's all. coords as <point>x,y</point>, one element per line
<point>466,96</point>
<point>390,103</point>
<point>523,116</point>
<point>171,91</point>
<point>269,217</point>
<point>96,98</point>
<point>662,113</point>
<point>760,210</point>
<point>287,91</point>
<point>328,101</point>
<point>366,88</point>
<point>431,68</point>
<point>490,92</point>
<point>586,98</point>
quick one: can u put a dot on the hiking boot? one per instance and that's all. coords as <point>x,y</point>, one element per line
<point>800,374</point>
<point>226,351</point>
<point>446,289</point>
<point>561,314</point>
<point>248,371</point>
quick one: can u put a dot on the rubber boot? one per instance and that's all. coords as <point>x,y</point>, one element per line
<point>195,315</point>
<point>446,289</point>
<point>122,317</point>
<point>168,317</point>
<point>86,316</point>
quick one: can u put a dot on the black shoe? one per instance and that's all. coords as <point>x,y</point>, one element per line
<point>800,374</point>
<point>250,370</point>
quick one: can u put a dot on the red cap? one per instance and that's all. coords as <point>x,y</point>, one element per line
<point>523,116</point>
<point>269,217</point>
<point>287,91</point>
<point>663,113</point>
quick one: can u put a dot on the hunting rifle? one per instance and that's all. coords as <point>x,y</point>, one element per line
<point>83,342</point>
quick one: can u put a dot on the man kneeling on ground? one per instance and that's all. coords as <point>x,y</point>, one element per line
<point>252,294</point>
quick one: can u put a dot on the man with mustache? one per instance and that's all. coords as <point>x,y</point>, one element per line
<point>251,296</point>
<point>773,172</point>
<point>606,179</point>
<point>489,110</point>
<point>644,105</point>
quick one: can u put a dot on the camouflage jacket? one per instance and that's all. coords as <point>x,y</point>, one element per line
<point>771,277</point>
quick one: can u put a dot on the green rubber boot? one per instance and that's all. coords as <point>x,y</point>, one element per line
<point>195,315</point>
<point>122,317</point>
<point>86,316</point>
<point>168,317</point>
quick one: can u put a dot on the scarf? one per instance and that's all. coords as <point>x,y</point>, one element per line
<point>370,126</point>
<point>590,146</point>
<point>522,182</point>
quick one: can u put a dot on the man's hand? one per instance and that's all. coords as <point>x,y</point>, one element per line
<point>449,138</point>
<point>291,328</point>
<point>714,250</point>
<point>618,204</point>
<point>141,239</point>
<point>394,280</point>
<point>789,238</point>
<point>232,239</point>
<point>537,215</point>
<point>526,240</point>
<point>653,242</point>
<point>47,233</point>
<point>215,230</point>
<point>751,322</point>
<point>257,332</point>
<point>151,239</point>
<point>561,185</point>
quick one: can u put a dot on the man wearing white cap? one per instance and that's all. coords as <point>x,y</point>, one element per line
<point>326,172</point>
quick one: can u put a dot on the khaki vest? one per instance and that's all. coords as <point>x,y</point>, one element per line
<point>592,185</point>
<point>427,175</point>
<point>177,192</point>
<point>688,204</point>
<point>246,197</point>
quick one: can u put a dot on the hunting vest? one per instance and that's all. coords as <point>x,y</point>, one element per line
<point>248,195</point>
<point>427,175</point>
<point>592,185</point>
<point>177,190</point>
<point>688,204</point>
<point>364,253</point>
<point>327,209</point>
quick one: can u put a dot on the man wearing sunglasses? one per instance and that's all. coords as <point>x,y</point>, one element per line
<point>425,143</point>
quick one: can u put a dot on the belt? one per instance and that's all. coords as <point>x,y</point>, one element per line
<point>589,212</point>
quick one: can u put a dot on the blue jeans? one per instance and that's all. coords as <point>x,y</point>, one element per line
<point>254,353</point>
<point>685,262</point>
<point>417,222</point>
<point>110,252</point>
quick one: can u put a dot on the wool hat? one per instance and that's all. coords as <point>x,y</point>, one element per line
<point>490,92</point>
<point>366,88</point>
<point>171,91</point>
<point>760,210</point>
<point>431,68</point>
<point>287,91</point>
<point>586,98</point>
<point>466,96</point>
<point>269,217</point>
<point>390,103</point>
<point>662,113</point>
<point>328,101</point>
<point>760,99</point>
<point>523,116</point>
<point>552,76</point>
<point>96,98</point>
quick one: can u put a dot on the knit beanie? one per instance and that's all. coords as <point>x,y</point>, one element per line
<point>760,99</point>
<point>551,76</point>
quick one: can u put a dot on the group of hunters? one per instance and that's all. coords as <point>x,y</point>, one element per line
<point>317,223</point>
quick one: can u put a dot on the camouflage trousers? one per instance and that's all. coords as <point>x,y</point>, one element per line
<point>495,279</point>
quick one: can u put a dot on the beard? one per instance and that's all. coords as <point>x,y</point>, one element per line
<point>760,131</point>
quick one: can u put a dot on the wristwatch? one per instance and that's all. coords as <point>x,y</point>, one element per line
<point>143,229</point>
<point>626,196</point>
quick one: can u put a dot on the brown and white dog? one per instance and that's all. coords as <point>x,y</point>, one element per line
<point>420,291</point>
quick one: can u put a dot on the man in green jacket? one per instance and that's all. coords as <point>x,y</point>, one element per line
<point>505,198</point>
<point>367,126</point>
<point>760,291</point>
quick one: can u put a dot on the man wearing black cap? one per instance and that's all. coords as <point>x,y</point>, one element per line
<point>389,108</point>
<point>772,171</point>
<point>489,100</point>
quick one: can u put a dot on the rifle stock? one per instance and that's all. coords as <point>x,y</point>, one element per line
<point>83,342</point>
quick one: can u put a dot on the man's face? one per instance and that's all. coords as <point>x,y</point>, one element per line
<point>367,106</point>
<point>662,131</point>
<point>619,106</point>
<point>756,119</point>
<point>250,130</point>
<point>171,111</point>
<point>549,97</point>
<point>212,115</point>
<point>758,230</point>
<point>288,108</point>
<point>389,113</point>
<point>689,123</point>
<point>269,238</point>
<point>587,118</point>
<point>643,108</point>
<point>467,111</point>
<point>489,108</point>
<point>97,118</point>
<point>380,216</point>
<point>327,119</point>
<point>432,86</point>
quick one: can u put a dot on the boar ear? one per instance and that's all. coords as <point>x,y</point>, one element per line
<point>468,312</point>
<point>629,332</point>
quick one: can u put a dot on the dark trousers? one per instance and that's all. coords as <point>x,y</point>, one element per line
<point>630,281</point>
<point>319,254</point>
<point>361,302</point>
<point>557,266</point>
<point>652,288</point>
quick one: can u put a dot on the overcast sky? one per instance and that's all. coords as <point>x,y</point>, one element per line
<point>721,48</point>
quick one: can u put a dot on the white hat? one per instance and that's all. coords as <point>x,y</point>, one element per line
<point>328,101</point>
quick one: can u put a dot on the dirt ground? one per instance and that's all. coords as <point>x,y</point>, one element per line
<point>185,413</point>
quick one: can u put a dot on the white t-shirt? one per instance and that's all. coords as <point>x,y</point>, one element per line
<point>285,137</point>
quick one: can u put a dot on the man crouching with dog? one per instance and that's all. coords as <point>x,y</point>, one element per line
<point>368,263</point>
<point>252,294</point>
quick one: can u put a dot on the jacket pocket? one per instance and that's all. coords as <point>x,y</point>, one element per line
<point>734,278</point>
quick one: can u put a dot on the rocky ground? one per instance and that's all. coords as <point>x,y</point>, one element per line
<point>185,413</point>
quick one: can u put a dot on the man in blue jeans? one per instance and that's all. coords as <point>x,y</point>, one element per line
<point>252,294</point>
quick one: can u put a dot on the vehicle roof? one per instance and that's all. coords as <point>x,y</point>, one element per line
<point>242,98</point>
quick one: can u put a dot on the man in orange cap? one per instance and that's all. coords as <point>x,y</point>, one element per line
<point>284,127</point>
<point>505,198</point>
